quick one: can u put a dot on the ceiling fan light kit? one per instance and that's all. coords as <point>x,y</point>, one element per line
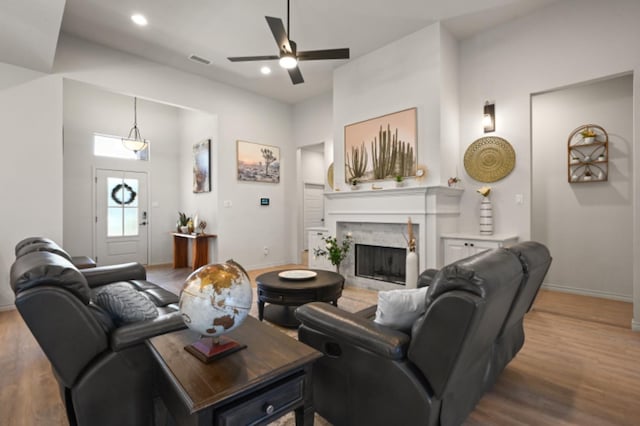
<point>288,61</point>
<point>289,56</point>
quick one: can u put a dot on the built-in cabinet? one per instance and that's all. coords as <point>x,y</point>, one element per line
<point>459,246</point>
<point>315,238</point>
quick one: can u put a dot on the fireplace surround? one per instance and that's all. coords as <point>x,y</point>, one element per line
<point>379,217</point>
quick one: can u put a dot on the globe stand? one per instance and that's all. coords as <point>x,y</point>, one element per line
<point>207,349</point>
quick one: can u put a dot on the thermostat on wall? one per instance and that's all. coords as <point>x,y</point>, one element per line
<point>264,201</point>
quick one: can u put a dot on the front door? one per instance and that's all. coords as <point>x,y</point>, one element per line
<point>122,220</point>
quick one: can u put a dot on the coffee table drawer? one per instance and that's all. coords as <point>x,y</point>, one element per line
<point>292,298</point>
<point>265,405</point>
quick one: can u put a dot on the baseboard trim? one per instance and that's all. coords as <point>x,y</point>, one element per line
<point>4,308</point>
<point>635,325</point>
<point>584,292</point>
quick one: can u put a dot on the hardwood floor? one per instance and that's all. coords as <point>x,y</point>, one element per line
<point>580,365</point>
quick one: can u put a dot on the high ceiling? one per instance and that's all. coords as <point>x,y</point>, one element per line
<point>216,29</point>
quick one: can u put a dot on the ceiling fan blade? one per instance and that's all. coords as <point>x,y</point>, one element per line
<point>296,75</point>
<point>279,34</point>
<point>252,58</point>
<point>312,55</point>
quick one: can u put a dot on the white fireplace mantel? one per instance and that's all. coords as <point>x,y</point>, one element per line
<point>435,209</point>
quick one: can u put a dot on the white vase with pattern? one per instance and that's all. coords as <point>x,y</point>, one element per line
<point>486,217</point>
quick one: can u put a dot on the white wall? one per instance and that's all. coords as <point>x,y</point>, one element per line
<point>88,110</point>
<point>30,166</point>
<point>591,220</point>
<point>540,52</point>
<point>449,107</point>
<point>244,228</point>
<point>312,120</point>
<point>194,128</point>
<point>11,75</point>
<point>411,72</point>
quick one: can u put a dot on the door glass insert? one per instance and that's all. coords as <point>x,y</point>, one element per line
<point>122,206</point>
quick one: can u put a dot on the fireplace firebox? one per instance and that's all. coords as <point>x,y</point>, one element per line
<point>381,263</point>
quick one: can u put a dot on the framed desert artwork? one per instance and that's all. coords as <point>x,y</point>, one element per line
<point>202,166</point>
<point>381,148</point>
<point>258,162</point>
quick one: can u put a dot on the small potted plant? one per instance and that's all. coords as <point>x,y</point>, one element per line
<point>588,136</point>
<point>399,181</point>
<point>183,223</point>
<point>453,181</point>
<point>334,250</point>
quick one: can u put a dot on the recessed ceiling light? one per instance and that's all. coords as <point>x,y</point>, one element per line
<point>139,19</point>
<point>265,70</point>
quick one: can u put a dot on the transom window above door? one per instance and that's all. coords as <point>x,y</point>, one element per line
<point>111,146</point>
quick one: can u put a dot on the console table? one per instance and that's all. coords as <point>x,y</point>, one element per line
<point>181,249</point>
<point>256,385</point>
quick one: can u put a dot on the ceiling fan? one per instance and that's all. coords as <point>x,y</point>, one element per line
<point>289,55</point>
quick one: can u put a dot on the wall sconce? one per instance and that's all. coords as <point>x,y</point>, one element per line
<point>489,119</point>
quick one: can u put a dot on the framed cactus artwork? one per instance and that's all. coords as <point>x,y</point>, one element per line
<point>381,148</point>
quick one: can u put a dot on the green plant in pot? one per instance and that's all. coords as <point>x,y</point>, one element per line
<point>183,222</point>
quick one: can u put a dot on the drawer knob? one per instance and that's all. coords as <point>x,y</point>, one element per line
<point>269,409</point>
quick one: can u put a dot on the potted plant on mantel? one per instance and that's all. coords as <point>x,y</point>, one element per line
<point>355,184</point>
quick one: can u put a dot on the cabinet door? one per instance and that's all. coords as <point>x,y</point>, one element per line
<point>480,246</point>
<point>455,250</point>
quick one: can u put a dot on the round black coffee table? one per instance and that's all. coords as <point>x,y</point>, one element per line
<point>284,295</point>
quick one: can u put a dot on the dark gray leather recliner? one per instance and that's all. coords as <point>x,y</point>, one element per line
<point>435,375</point>
<point>32,244</point>
<point>105,371</point>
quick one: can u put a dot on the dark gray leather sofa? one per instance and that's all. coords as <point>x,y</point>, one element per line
<point>104,370</point>
<point>434,375</point>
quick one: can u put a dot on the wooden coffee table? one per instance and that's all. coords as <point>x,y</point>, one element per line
<point>269,378</point>
<point>285,295</point>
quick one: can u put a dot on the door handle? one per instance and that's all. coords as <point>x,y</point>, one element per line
<point>144,223</point>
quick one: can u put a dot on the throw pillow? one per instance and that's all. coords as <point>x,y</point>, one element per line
<point>400,308</point>
<point>124,303</point>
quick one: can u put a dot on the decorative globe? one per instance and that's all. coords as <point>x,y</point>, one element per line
<point>216,298</point>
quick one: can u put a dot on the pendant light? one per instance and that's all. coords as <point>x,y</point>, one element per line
<point>134,141</point>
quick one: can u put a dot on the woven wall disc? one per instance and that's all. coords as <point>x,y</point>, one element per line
<point>489,159</point>
<point>330,176</point>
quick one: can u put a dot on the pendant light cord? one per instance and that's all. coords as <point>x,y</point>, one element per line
<point>135,112</point>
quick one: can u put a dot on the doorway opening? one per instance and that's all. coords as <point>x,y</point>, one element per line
<point>311,178</point>
<point>585,225</point>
